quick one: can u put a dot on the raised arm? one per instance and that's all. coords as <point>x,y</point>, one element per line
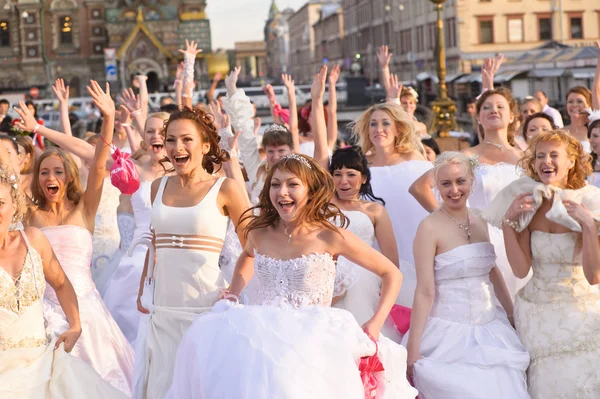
<point>424,250</point>
<point>133,104</point>
<point>97,168</point>
<point>143,97</point>
<point>393,91</point>
<point>273,106</point>
<point>178,84</point>
<point>62,93</point>
<point>291,89</point>
<point>332,127</point>
<point>422,190</point>
<point>189,61</point>
<point>210,94</point>
<point>384,57</point>
<point>317,91</point>
<point>489,70</point>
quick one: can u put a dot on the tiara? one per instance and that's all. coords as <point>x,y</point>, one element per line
<point>593,114</point>
<point>276,128</point>
<point>298,158</point>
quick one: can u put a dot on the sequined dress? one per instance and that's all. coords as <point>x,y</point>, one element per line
<point>292,345</point>
<point>30,367</point>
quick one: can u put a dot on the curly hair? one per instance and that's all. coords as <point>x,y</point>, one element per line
<point>204,123</point>
<point>577,177</point>
<point>74,188</point>
<point>513,106</point>
<point>318,210</point>
<point>9,177</point>
<point>407,138</point>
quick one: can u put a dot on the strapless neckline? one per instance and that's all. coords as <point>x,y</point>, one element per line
<point>308,256</point>
<point>486,243</point>
<point>64,226</point>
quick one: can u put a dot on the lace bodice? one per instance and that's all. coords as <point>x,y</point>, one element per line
<point>300,282</point>
<point>126,224</point>
<point>489,181</point>
<point>17,295</point>
<point>361,226</point>
<point>464,292</point>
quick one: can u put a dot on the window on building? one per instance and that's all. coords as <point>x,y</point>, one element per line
<point>97,31</point>
<point>30,19</point>
<point>420,39</point>
<point>545,25</point>
<point>450,32</point>
<point>96,13</point>
<point>515,29</point>
<point>32,52</point>
<point>98,49</point>
<point>576,27</point>
<point>4,34</point>
<point>486,31</point>
<point>66,30</point>
<point>431,27</point>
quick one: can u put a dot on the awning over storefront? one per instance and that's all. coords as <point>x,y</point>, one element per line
<point>471,77</point>
<point>583,73</point>
<point>546,73</point>
<point>507,76</point>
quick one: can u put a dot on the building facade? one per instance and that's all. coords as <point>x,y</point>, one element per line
<point>302,42</point>
<point>329,36</point>
<point>251,57</point>
<point>277,39</point>
<point>41,40</point>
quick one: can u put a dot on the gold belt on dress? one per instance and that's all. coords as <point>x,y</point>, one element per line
<point>193,242</point>
<point>27,342</point>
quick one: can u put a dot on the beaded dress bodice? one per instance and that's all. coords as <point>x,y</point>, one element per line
<point>303,281</point>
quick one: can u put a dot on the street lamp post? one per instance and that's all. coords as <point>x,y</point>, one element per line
<point>444,109</point>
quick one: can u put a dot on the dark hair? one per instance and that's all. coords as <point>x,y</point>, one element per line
<point>27,143</point>
<point>6,137</point>
<point>594,125</point>
<point>536,116</point>
<point>207,131</point>
<point>4,101</point>
<point>431,143</point>
<point>543,93</point>
<point>353,158</point>
<point>277,135</point>
<point>35,108</point>
<point>304,116</point>
<point>169,108</point>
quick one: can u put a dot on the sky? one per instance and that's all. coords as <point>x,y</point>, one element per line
<point>241,20</point>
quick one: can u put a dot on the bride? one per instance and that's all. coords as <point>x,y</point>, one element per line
<point>293,345</point>
<point>550,224</point>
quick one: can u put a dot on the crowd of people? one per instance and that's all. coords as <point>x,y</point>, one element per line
<point>178,254</point>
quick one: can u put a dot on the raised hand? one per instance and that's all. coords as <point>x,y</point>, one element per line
<point>522,204</point>
<point>489,69</point>
<point>334,75</point>
<point>130,100</point>
<point>384,57</point>
<point>218,76</point>
<point>215,109</point>
<point>28,122</point>
<point>257,125</point>
<point>61,91</point>
<point>190,48</point>
<point>317,90</point>
<point>122,115</point>
<point>233,141</point>
<point>102,99</point>
<point>580,213</point>
<point>270,93</point>
<point>231,80</point>
<point>394,88</point>
<point>288,82</point>
<point>179,73</point>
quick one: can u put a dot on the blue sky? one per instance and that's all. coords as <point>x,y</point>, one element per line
<point>240,20</point>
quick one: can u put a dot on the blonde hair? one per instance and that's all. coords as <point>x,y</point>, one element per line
<point>406,140</point>
<point>582,168</point>
<point>9,177</point>
<point>74,188</point>
<point>453,158</point>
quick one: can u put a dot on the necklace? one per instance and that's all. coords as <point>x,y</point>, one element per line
<point>288,234</point>
<point>466,228</point>
<point>498,146</point>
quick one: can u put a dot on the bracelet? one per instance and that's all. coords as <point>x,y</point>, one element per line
<point>186,96</point>
<point>137,111</point>
<point>126,124</point>
<point>510,223</point>
<point>393,101</point>
<point>233,296</point>
<point>35,129</point>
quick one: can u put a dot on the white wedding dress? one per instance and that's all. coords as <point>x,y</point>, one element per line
<point>469,349</point>
<point>30,367</point>
<point>106,231</point>
<point>292,346</point>
<point>489,181</point>
<point>362,297</point>
<point>392,183</point>
<point>124,285</point>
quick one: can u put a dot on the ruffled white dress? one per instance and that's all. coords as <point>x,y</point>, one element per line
<point>557,314</point>
<point>392,183</point>
<point>489,181</point>
<point>30,367</point>
<point>469,349</point>
<point>106,230</point>
<point>123,287</point>
<point>293,346</point>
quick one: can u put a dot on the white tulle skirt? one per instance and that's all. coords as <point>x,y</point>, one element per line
<point>266,352</point>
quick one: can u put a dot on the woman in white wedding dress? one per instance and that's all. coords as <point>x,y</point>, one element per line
<point>387,136</point>
<point>550,224</point>
<point>66,214</point>
<point>292,345</point>
<point>496,167</point>
<point>460,343</point>
<point>36,364</point>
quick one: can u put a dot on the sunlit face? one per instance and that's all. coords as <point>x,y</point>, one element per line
<point>552,163</point>
<point>53,179</point>
<point>528,109</point>
<point>184,146</point>
<point>409,104</point>
<point>382,129</point>
<point>495,113</point>
<point>275,153</point>
<point>576,105</point>
<point>7,207</point>
<point>541,98</point>
<point>454,184</point>
<point>15,162</point>
<point>537,126</point>
<point>471,109</point>
<point>595,140</point>
<point>347,183</point>
<point>155,144</point>
<point>429,153</point>
<point>288,194</point>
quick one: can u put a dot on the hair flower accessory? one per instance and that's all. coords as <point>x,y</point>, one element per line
<point>298,158</point>
<point>411,92</point>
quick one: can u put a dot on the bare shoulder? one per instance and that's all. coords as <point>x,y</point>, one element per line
<point>374,209</point>
<point>36,238</point>
<point>154,188</point>
<point>469,151</point>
